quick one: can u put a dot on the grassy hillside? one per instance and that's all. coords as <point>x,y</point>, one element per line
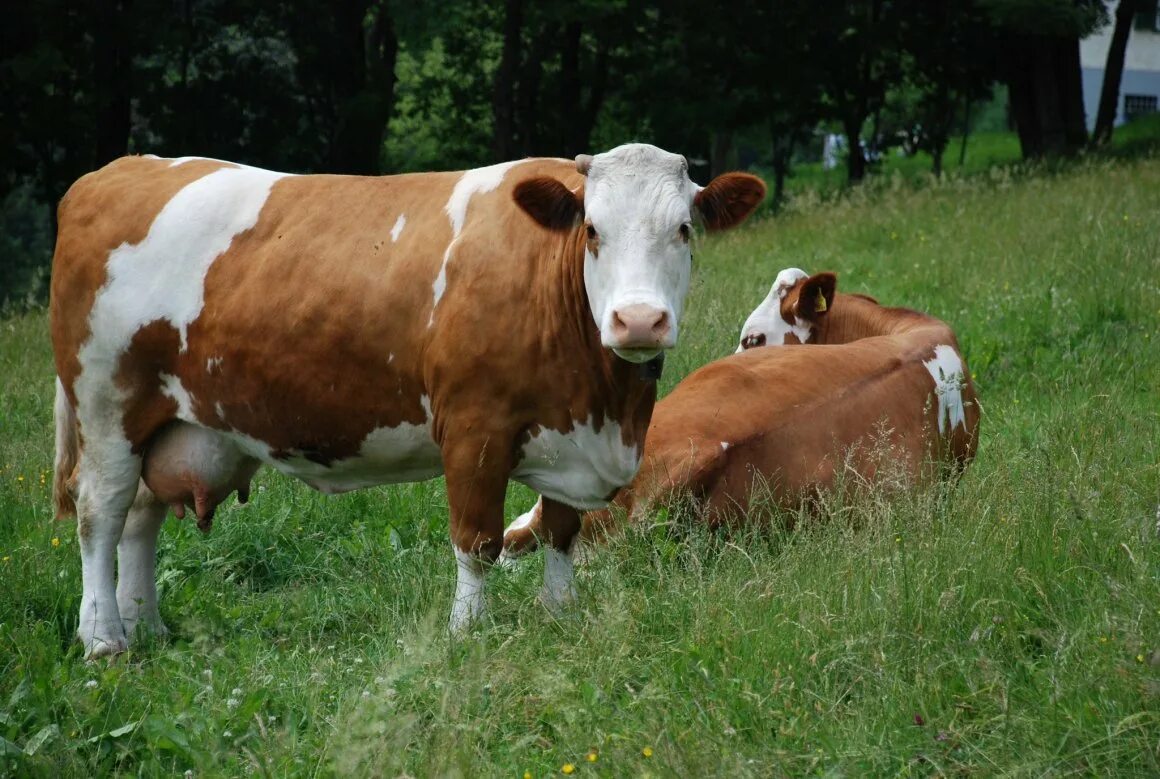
<point>1011,625</point>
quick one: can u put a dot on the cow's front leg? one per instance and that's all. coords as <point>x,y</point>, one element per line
<point>477,473</point>
<point>559,525</point>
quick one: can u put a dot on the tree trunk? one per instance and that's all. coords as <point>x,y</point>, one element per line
<point>1021,96</point>
<point>503,94</point>
<point>936,154</point>
<point>598,82</point>
<point>783,143</point>
<point>855,159</point>
<point>382,56</point>
<point>720,152</point>
<point>1045,86</point>
<point>1113,72</point>
<point>966,132</point>
<point>367,87</point>
<point>532,132</point>
<point>112,69</point>
<point>941,117</point>
<point>1069,77</point>
<point>569,106</point>
<point>185,99</point>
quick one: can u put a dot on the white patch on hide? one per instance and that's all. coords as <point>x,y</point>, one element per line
<point>785,281</point>
<point>171,387</point>
<point>388,455</point>
<point>580,468</point>
<point>472,182</point>
<point>946,368</point>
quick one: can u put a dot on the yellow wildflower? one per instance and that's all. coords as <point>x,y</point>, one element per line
<point>527,775</point>
<point>1139,658</point>
<point>568,768</point>
<point>592,756</point>
<point>56,542</point>
<point>6,558</point>
<point>647,751</point>
<point>20,477</point>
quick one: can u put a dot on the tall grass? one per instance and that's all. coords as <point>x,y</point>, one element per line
<point>1009,624</point>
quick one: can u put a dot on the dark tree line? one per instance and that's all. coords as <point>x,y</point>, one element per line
<point>375,86</point>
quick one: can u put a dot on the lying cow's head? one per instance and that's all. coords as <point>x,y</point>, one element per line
<point>637,211</point>
<point>791,309</point>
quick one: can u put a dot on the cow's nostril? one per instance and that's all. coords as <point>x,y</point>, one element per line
<point>661,325</point>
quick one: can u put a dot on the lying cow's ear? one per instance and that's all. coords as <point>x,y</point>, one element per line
<point>815,296</point>
<point>728,200</point>
<point>549,202</point>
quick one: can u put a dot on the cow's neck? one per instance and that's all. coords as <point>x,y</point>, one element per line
<point>854,317</point>
<point>616,389</point>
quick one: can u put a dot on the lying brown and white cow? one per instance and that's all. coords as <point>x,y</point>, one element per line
<point>208,317</point>
<point>872,387</point>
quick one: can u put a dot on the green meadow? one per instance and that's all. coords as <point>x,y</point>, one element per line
<point>1009,624</point>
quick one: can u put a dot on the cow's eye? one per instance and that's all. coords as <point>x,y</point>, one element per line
<point>685,231</point>
<point>591,231</point>
<point>752,340</point>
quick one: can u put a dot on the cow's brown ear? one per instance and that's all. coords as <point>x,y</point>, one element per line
<point>549,202</point>
<point>815,296</point>
<point>728,200</point>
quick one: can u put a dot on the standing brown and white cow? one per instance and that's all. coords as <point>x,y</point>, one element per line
<point>874,388</point>
<point>208,317</point>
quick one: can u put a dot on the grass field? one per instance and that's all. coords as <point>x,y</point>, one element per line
<point>985,151</point>
<point>1008,626</point>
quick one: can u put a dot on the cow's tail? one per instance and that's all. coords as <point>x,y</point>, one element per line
<point>67,454</point>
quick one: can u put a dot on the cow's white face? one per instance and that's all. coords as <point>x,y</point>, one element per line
<point>766,326</point>
<point>637,216</point>
<point>638,213</point>
<point>781,315</point>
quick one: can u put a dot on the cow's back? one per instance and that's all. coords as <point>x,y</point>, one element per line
<point>296,311</point>
<point>789,421</point>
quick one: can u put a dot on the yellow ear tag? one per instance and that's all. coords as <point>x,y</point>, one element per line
<point>820,304</point>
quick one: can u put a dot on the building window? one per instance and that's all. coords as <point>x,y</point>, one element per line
<point>1147,20</point>
<point>1137,105</point>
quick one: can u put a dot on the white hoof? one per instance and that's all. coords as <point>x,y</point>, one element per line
<point>467,607</point>
<point>100,630</point>
<point>135,627</point>
<point>97,647</point>
<point>559,587</point>
<point>507,561</point>
<point>137,613</point>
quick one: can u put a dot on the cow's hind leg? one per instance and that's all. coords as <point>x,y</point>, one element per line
<point>136,565</point>
<point>108,475</point>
